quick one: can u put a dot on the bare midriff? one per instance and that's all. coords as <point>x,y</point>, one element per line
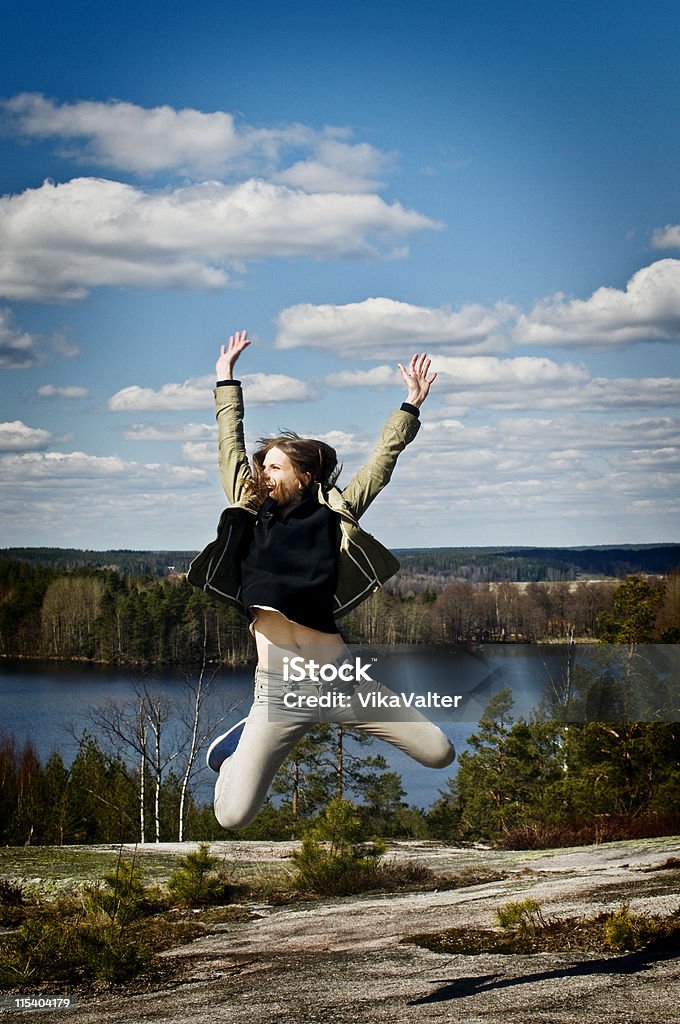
<point>273,628</point>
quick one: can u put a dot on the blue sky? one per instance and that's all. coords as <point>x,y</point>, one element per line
<point>495,184</point>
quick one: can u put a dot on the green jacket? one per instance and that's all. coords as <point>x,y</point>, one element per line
<point>363,563</point>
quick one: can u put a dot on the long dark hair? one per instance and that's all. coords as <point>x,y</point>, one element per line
<point>306,455</point>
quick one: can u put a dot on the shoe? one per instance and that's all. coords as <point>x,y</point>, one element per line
<point>224,746</point>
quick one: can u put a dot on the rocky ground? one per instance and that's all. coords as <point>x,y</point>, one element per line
<point>349,961</point>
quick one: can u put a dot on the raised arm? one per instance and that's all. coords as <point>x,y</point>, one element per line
<point>400,429</point>
<point>418,379</point>
<point>224,367</point>
<point>235,472</point>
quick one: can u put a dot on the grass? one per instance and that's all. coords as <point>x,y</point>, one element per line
<point>108,929</point>
<point>88,916</point>
<point>76,864</point>
<point>50,870</point>
<point>528,931</point>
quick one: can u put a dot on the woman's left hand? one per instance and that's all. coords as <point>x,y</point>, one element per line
<point>416,378</point>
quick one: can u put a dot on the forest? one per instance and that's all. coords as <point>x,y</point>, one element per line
<point>141,619</point>
<point>486,565</point>
<point>551,780</point>
<point>520,784</point>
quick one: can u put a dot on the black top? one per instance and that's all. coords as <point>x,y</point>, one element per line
<point>292,563</point>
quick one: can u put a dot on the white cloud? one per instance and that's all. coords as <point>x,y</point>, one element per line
<point>195,144</point>
<point>264,388</point>
<point>527,478</point>
<point>478,379</point>
<point>337,167</point>
<point>16,436</point>
<point>196,393</point>
<point>667,238</point>
<point>660,460</point>
<point>64,469</point>
<point>171,432</point>
<point>201,453</point>
<point>18,349</point>
<point>536,382</point>
<point>384,328</point>
<point>585,434</point>
<point>94,501</point>
<point>568,451</point>
<point>130,137</point>
<point>466,384</point>
<point>59,241</point>
<point>377,377</point>
<point>69,391</point>
<point>340,440</point>
<point>520,371</point>
<point>647,310</point>
<point>626,393</point>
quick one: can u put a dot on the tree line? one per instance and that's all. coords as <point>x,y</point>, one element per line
<point>105,616</point>
<point>115,792</point>
<point>541,783</point>
<point>519,784</point>
<point>601,762</point>
<point>478,564</point>
<point>554,780</point>
<point>134,619</point>
<point>537,565</point>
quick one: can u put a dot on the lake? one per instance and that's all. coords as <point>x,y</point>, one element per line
<point>52,702</point>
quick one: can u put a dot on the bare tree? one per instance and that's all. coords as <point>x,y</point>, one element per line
<point>155,732</point>
<point>69,610</point>
<point>135,730</point>
<point>195,731</point>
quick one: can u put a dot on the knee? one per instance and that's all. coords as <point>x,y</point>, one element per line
<point>233,808</point>
<point>441,753</point>
<point>233,817</point>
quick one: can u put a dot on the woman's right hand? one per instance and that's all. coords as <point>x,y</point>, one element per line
<point>229,354</point>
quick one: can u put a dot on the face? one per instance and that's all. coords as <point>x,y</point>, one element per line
<point>282,483</point>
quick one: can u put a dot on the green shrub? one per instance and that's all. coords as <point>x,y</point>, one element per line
<point>11,893</point>
<point>626,931</point>
<point>12,902</point>
<point>122,897</point>
<point>332,861</point>
<point>45,950</point>
<point>112,952</point>
<point>199,880</point>
<point>605,933</point>
<point>101,936</point>
<point>524,917</point>
<point>36,950</point>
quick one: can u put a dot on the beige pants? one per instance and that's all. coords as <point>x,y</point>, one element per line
<point>281,714</point>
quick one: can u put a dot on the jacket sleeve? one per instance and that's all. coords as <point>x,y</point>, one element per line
<point>235,472</point>
<point>375,474</point>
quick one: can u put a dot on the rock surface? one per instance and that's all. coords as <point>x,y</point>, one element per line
<point>343,961</point>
